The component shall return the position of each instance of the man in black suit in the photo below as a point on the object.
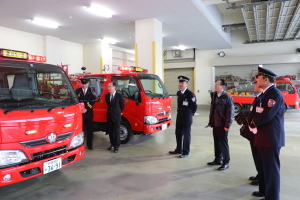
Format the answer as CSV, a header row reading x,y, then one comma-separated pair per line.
x,y
220,119
268,124
186,108
87,95
115,103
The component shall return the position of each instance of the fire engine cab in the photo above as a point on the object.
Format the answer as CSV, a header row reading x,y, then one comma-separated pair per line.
x,y
40,118
244,96
147,102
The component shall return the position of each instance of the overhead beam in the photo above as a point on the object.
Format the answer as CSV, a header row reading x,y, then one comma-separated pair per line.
x,y
267,21
294,22
256,21
211,2
278,20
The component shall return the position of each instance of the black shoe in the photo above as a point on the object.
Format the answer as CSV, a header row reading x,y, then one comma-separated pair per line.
x,y
223,167
215,163
111,148
116,150
258,194
255,183
90,148
183,156
253,178
174,152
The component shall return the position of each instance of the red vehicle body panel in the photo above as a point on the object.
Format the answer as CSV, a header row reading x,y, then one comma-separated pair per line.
x,y
37,149
132,112
291,97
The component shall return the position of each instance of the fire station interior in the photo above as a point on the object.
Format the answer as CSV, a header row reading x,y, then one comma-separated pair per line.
x,y
204,40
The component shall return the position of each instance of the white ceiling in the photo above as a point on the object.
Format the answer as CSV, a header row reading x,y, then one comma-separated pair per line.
x,y
191,23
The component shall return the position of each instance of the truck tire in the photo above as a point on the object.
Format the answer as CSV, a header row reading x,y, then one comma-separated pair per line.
x,y
125,132
237,108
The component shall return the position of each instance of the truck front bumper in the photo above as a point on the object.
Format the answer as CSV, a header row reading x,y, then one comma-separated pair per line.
x,y
33,169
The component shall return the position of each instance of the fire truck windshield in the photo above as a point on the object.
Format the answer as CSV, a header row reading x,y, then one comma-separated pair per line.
x,y
153,86
33,86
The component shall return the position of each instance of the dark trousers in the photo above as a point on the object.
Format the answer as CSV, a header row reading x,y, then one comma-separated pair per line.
x,y
221,144
255,157
88,123
113,129
269,172
183,138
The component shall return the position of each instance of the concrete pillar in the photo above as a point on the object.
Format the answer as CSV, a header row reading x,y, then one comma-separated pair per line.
x,y
96,56
148,45
106,58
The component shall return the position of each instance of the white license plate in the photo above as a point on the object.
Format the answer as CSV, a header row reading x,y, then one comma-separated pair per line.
x,y
52,165
164,126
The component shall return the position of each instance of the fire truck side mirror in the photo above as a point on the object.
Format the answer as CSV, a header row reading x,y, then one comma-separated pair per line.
x,y
137,98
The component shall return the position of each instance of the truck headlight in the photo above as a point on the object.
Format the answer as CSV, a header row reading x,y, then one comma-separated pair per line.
x,y
77,141
12,157
150,120
169,116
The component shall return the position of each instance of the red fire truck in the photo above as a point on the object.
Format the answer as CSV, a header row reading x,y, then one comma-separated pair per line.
x,y
40,118
244,98
147,102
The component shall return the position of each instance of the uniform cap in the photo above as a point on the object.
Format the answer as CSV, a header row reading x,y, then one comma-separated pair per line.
x,y
183,79
84,80
266,72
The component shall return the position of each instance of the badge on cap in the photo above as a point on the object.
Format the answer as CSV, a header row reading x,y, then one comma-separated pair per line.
x,y
271,103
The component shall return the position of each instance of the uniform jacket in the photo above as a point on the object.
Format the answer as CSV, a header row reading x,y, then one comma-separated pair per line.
x,y
222,111
270,122
115,107
185,112
90,95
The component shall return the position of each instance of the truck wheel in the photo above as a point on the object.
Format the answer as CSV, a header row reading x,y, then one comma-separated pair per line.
x,y
237,108
125,132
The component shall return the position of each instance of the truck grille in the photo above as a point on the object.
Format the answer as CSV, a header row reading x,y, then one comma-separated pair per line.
x,y
49,153
163,120
42,141
163,113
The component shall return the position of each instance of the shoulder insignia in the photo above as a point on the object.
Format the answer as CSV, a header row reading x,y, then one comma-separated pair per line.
x,y
271,103
194,99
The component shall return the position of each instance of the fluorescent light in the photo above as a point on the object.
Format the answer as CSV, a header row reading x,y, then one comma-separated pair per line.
x,y
180,47
110,40
100,10
45,22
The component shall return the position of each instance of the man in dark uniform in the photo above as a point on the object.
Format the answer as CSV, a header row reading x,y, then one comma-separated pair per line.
x,y
115,103
220,119
186,108
246,133
87,95
268,124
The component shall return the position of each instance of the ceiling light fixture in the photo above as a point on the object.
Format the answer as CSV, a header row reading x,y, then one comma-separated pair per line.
x,y
180,47
44,22
109,40
100,10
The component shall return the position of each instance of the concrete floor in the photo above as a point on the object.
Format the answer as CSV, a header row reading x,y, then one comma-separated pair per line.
x,y
143,169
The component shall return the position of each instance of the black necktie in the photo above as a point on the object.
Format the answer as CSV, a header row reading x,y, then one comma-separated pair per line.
x,y
111,97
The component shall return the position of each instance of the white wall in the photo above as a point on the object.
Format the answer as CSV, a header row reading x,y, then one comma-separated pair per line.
x,y
70,53
21,41
91,57
246,54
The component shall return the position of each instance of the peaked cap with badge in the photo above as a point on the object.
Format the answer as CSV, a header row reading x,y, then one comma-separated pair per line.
x,y
183,79
266,72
